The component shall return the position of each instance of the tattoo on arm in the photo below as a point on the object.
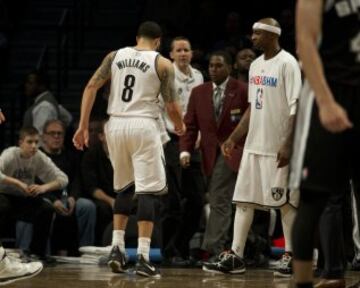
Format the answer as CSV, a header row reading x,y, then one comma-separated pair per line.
x,y
168,86
103,73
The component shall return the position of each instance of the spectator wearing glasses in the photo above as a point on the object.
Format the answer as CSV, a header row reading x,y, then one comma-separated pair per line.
x,y
74,214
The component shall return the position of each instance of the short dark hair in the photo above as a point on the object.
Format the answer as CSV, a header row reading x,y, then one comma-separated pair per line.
x,y
149,29
27,131
179,38
224,54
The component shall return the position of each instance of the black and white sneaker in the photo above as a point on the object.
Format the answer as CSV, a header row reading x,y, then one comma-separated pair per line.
x,y
284,269
229,263
145,268
117,260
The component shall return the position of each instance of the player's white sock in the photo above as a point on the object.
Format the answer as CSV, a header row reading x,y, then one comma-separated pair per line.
x,y
144,247
243,218
288,215
119,239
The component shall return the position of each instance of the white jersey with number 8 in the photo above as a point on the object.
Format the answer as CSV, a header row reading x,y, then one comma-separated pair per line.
x,y
135,84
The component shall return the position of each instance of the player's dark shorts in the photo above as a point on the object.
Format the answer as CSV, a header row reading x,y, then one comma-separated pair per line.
x,y
330,160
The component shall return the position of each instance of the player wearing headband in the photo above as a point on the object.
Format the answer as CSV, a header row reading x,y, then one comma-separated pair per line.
x,y
274,85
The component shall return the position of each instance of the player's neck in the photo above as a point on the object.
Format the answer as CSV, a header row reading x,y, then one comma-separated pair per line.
x,y
144,44
272,51
184,69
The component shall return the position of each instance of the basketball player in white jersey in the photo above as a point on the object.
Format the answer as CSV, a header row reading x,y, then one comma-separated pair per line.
x,y
274,85
138,74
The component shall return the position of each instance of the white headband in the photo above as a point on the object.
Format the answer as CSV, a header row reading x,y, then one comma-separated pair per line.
x,y
266,27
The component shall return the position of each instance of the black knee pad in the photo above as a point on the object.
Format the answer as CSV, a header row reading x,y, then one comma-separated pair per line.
x,y
146,207
124,200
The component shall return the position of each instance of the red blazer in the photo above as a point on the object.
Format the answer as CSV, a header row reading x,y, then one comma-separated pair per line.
x,y
200,116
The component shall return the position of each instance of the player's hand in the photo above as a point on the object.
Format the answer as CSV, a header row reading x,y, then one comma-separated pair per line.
x,y
81,138
227,147
180,130
185,161
334,117
283,156
2,117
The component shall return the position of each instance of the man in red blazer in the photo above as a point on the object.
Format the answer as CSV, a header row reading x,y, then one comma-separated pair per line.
x,y
214,109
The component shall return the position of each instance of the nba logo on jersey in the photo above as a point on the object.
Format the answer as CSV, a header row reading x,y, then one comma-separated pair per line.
x,y
259,98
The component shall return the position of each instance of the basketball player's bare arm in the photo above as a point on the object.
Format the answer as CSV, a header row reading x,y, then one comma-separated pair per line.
x,y
100,77
2,117
283,156
308,21
238,133
167,89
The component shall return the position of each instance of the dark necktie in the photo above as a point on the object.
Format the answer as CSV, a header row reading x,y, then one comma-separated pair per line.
x,y
217,102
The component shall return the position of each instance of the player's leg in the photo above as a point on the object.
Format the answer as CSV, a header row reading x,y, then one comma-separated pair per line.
x,y
150,182
288,214
116,131
324,172
305,225
122,209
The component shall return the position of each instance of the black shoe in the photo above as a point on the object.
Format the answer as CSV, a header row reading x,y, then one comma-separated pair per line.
x,y
117,260
229,263
145,268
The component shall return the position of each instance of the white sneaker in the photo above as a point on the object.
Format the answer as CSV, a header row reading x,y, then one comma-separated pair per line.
x,y
12,270
284,269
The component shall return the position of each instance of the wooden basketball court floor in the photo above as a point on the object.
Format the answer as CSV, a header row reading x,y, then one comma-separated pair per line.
x,y
90,276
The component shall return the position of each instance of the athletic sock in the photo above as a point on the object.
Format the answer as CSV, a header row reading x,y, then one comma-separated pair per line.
x,y
243,218
118,239
144,247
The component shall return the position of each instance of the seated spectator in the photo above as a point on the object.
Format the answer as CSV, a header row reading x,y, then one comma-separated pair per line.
x,y
74,214
97,180
25,163
77,207
10,269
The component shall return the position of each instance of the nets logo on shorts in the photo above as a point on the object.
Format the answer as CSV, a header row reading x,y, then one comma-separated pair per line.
x,y
277,193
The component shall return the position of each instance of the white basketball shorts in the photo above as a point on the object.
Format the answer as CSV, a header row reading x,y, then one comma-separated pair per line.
x,y
136,154
260,183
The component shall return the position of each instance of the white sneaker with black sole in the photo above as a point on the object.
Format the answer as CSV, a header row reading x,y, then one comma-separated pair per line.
x,y
284,270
